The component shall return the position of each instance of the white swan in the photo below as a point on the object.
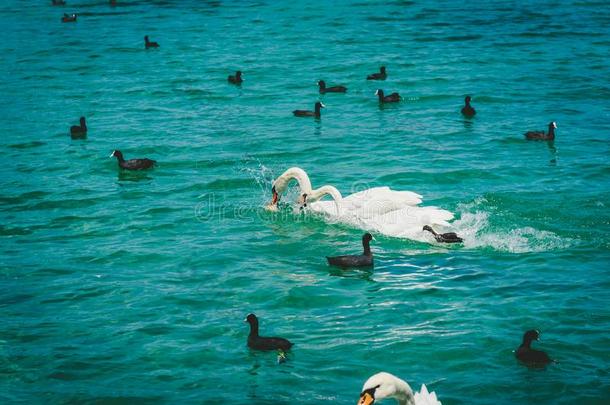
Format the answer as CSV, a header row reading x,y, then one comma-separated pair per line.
x,y
385,385
381,209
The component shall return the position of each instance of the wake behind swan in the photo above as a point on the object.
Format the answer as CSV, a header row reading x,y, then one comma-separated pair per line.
x,y
379,209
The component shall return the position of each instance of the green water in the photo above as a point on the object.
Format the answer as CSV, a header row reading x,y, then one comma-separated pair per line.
x,y
132,288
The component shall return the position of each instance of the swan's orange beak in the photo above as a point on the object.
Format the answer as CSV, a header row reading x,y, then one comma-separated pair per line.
x,y
366,399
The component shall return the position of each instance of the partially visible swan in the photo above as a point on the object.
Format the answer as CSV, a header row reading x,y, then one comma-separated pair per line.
x,y
385,385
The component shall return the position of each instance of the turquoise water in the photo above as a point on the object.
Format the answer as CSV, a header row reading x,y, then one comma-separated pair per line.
x,y
119,288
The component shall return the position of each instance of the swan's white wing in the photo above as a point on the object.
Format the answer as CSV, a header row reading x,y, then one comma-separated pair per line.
x,y
386,211
379,200
423,397
409,222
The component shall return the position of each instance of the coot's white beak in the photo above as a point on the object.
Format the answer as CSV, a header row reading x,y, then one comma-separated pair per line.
x,y
374,238
554,125
322,105
376,92
111,155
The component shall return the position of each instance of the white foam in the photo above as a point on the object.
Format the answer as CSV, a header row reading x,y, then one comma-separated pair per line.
x,y
475,227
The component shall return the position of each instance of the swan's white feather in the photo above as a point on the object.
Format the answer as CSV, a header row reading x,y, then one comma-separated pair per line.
x,y
423,397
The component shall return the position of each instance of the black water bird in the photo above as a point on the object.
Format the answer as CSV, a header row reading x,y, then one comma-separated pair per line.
x,y
333,89
149,44
133,164
392,98
307,113
235,79
381,75
363,260
541,135
468,110
529,356
79,131
449,237
68,18
264,343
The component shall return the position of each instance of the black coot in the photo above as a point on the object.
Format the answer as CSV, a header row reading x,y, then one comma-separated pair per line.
x,y
468,110
363,260
235,79
68,18
529,356
449,237
540,135
392,98
381,75
264,343
307,113
149,44
133,164
79,131
333,89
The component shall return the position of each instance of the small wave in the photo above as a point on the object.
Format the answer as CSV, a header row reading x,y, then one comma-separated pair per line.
x,y
33,144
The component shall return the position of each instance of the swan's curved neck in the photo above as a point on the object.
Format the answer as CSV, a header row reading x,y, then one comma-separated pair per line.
x,y
401,391
318,193
296,173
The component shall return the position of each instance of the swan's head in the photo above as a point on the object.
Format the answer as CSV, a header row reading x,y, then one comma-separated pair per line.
x,y
302,201
320,105
377,92
382,69
117,153
553,124
367,237
428,228
383,385
321,83
275,198
467,99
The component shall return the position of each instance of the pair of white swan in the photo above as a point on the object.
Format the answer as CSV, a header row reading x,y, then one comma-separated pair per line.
x,y
385,385
389,212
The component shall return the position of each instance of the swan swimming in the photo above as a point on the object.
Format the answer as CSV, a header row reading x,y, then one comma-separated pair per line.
x,y
385,385
380,209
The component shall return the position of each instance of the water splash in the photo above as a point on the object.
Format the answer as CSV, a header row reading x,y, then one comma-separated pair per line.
x,y
479,230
